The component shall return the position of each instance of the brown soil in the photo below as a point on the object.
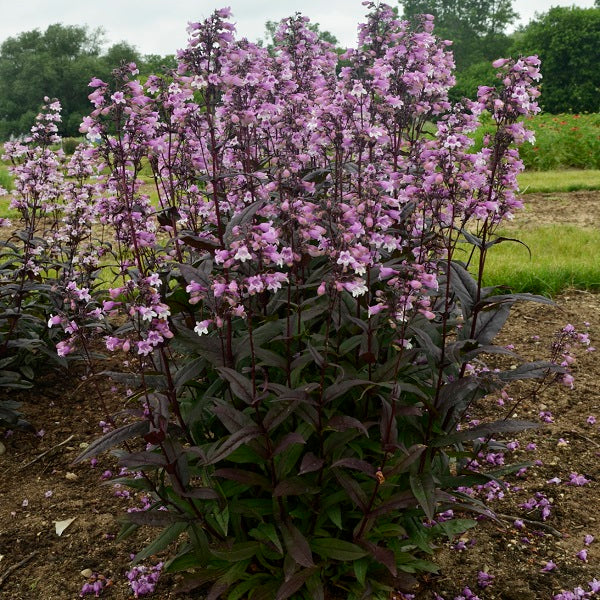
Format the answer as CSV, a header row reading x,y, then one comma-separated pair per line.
x,y
67,409
573,208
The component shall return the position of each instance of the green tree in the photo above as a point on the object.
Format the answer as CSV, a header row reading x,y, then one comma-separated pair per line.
x,y
477,28
157,64
567,40
271,28
57,63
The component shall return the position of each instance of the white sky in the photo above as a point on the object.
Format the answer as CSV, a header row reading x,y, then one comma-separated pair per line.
x,y
158,26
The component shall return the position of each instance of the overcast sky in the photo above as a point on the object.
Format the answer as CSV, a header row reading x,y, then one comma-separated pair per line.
x,y
158,26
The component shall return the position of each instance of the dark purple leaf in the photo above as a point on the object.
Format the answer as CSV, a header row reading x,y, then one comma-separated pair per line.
x,y
310,463
423,488
339,389
243,476
293,487
240,386
388,426
232,443
490,321
296,545
278,413
231,417
153,518
356,463
140,459
484,430
113,438
287,441
294,583
413,453
343,423
200,244
385,556
201,493
531,370
401,500
353,489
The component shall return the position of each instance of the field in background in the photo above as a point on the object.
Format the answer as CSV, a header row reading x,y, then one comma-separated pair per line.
x,y
562,257
565,141
570,180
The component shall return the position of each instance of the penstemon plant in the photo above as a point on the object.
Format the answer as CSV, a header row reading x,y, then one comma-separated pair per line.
x,y
295,321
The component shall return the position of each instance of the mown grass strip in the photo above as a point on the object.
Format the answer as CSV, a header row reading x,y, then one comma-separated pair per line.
x,y
571,180
562,257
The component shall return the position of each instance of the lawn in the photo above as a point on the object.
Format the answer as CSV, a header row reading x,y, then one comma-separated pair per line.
x,y
562,257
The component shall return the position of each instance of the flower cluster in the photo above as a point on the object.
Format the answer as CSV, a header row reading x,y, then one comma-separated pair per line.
x,y
143,580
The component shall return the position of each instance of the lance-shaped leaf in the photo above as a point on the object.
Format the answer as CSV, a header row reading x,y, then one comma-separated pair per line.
x,y
242,217
310,463
490,321
335,390
343,423
154,518
232,443
483,430
244,476
414,452
113,438
294,583
294,486
136,460
337,549
231,417
463,285
296,545
357,464
240,386
287,440
423,487
531,370
356,494
384,556
393,503
515,298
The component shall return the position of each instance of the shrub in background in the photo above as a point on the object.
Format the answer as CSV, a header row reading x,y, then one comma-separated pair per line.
x,y
300,337
45,253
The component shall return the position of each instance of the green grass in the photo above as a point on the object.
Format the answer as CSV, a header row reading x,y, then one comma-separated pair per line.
x,y
570,180
562,257
5,178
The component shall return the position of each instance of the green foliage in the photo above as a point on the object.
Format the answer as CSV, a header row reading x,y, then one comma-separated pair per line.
x,y
567,40
316,475
470,78
564,141
271,28
69,145
476,27
58,63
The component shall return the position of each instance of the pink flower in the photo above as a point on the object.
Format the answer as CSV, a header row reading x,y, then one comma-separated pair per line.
x,y
583,555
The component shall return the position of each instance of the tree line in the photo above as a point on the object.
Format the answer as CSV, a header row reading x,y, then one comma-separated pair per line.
x,y
60,61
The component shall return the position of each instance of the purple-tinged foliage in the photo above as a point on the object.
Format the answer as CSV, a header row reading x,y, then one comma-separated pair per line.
x,y
291,313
